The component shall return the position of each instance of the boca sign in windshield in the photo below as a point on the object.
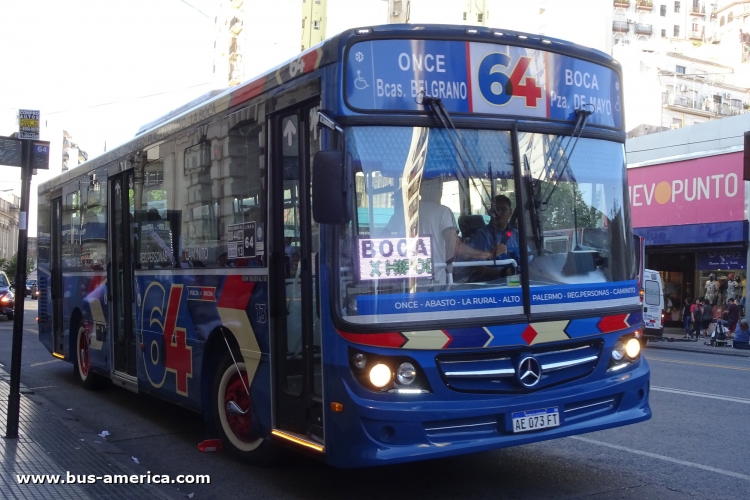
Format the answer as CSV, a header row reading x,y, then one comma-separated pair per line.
x,y
472,77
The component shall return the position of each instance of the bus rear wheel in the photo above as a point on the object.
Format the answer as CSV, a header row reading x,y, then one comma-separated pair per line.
x,y
236,430
82,366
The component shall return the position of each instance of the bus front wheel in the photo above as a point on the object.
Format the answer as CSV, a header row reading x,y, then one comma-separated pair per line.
x,y
82,366
235,425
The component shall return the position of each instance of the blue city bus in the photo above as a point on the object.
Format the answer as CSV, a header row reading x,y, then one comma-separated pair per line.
x,y
409,242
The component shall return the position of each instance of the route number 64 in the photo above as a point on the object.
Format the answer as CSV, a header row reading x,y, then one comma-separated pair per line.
x,y
498,88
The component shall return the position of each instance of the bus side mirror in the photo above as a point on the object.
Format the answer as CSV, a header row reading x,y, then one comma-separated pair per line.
x,y
332,187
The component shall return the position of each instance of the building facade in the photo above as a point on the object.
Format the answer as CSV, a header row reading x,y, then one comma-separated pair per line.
x,y
9,212
689,200
72,155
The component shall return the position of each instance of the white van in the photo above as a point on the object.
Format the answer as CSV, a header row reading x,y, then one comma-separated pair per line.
x,y
653,305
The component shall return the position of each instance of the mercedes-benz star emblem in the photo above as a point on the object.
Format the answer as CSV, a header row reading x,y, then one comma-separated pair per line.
x,y
529,372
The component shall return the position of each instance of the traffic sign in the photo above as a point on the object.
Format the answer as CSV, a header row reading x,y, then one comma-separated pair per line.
x,y
40,155
28,124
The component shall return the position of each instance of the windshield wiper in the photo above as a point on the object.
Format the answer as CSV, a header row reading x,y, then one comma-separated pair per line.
x,y
534,206
445,119
581,116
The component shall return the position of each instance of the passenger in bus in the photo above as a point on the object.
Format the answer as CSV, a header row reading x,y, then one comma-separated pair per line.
x,y
436,220
498,237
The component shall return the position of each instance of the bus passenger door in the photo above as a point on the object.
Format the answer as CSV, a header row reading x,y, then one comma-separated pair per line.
x,y
296,240
56,291
121,280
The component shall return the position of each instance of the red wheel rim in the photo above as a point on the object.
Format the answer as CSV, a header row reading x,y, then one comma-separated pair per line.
x,y
241,425
83,354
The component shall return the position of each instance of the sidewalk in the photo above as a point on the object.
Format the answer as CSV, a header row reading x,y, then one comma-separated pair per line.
x,y
673,341
51,443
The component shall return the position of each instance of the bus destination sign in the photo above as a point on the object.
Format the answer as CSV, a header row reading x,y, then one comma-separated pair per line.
x,y
472,77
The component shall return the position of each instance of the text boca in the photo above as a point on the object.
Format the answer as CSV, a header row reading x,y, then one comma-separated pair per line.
x,y
394,247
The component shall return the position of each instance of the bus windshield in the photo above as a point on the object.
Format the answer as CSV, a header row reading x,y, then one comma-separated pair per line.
x,y
436,230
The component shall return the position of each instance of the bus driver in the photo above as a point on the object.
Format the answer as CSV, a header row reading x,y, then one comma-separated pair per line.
x,y
498,234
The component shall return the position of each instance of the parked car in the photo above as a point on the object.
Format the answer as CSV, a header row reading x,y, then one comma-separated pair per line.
x,y
7,304
32,290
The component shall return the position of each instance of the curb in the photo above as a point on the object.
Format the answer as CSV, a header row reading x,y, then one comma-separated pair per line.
x,y
728,351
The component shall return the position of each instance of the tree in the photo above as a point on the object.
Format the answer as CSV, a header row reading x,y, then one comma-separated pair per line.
x,y
9,266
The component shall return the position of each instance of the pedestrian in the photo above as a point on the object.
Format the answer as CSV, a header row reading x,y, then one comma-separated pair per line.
x,y
742,336
697,312
719,334
733,314
711,288
687,306
732,286
707,316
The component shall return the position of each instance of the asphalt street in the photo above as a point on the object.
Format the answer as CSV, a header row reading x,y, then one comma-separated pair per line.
x,y
695,446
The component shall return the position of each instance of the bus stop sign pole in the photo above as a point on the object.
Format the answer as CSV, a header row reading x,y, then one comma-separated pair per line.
x,y
14,399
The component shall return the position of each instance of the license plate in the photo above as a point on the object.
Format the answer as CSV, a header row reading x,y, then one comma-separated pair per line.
x,y
524,421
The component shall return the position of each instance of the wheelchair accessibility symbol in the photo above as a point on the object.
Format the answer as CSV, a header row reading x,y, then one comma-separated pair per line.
x,y
359,82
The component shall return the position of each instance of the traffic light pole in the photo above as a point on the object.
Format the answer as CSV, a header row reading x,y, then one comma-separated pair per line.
x,y
14,398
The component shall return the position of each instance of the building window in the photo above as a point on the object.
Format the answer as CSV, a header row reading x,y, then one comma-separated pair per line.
x,y
680,70
464,16
303,24
663,11
676,122
480,17
677,6
316,25
676,30
721,21
730,17
664,33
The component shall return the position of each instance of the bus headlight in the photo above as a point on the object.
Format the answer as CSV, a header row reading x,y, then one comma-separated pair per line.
x,y
618,351
625,352
392,374
406,373
359,361
633,348
380,375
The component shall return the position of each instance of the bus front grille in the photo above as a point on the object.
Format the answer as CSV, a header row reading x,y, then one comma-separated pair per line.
x,y
495,371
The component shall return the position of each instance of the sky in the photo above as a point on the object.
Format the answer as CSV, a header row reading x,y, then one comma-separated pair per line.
x,y
82,62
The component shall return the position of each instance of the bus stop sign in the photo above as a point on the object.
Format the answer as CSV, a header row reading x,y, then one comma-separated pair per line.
x,y
40,155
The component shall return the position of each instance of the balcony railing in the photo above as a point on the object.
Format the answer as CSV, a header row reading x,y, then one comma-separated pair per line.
x,y
698,11
235,75
705,105
235,26
696,35
644,5
622,3
643,29
620,26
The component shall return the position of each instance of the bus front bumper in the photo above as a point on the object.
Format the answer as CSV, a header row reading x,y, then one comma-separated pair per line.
x,y
378,433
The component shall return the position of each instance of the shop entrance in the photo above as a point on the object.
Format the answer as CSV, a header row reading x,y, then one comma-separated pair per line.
x,y
677,272
688,274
